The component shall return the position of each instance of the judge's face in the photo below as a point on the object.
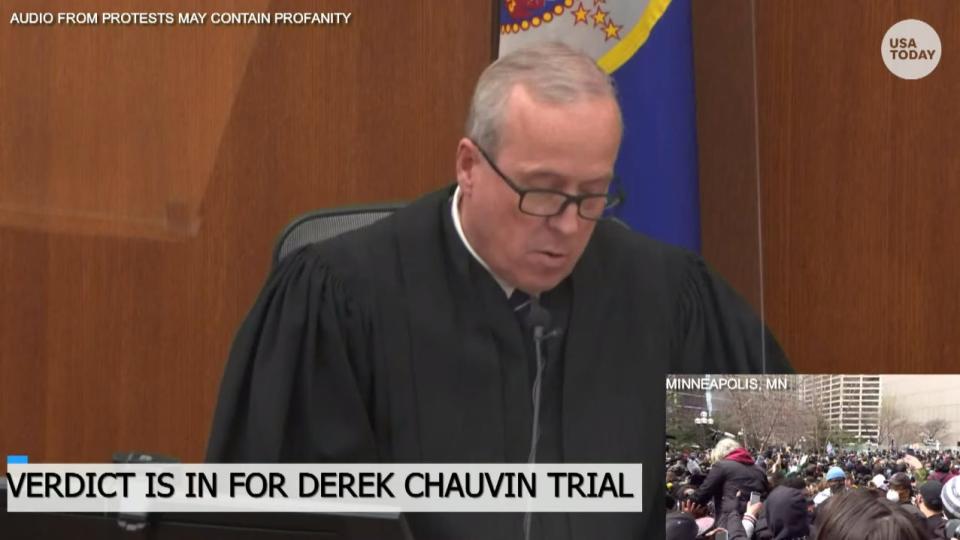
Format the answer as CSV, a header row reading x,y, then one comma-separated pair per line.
x,y
570,148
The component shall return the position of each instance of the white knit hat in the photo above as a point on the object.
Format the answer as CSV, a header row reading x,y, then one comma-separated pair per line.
x,y
951,497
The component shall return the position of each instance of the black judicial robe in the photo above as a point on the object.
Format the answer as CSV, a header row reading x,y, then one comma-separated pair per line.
x,y
393,344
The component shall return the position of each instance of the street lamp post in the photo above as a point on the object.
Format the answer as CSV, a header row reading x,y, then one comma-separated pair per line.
x,y
703,420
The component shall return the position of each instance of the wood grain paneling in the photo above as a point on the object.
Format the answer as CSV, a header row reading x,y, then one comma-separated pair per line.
x,y
88,112
113,335
726,131
859,174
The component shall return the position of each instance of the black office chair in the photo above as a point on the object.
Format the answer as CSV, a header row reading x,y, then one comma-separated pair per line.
x,y
320,225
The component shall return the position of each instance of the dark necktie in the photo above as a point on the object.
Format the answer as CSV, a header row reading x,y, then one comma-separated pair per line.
x,y
520,304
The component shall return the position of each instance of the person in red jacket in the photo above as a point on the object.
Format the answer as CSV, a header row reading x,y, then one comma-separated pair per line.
x,y
733,476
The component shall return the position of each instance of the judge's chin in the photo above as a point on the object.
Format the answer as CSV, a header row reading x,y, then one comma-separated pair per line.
x,y
543,272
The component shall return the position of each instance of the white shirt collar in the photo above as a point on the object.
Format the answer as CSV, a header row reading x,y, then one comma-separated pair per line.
x,y
455,209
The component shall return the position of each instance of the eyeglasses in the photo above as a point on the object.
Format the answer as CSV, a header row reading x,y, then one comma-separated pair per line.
x,y
551,202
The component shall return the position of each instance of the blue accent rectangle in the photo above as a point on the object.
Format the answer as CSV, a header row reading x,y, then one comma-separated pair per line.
x,y
17,460
658,155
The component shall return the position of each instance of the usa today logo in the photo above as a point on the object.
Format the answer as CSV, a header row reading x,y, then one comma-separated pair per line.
x,y
911,49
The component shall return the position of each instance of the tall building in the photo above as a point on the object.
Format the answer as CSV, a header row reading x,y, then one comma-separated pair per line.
x,y
850,402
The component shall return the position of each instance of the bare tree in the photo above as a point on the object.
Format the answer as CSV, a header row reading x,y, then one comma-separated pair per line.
x,y
817,430
892,423
935,428
759,415
910,432
897,427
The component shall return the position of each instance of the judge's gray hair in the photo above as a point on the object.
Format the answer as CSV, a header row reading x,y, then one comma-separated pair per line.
x,y
552,72
724,447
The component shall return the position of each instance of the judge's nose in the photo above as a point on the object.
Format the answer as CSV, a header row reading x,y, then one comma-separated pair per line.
x,y
567,222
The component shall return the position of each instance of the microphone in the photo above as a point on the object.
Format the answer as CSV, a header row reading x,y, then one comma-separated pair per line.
x,y
538,318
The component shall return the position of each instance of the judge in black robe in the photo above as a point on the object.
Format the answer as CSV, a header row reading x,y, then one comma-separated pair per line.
x,y
397,343
393,344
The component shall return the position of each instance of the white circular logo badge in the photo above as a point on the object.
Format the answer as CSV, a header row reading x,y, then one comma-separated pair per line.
x,y
911,49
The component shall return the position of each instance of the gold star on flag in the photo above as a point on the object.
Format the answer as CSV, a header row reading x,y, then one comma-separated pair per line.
x,y
612,31
580,15
600,17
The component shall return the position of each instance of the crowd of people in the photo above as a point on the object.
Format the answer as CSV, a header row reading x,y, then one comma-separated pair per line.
x,y
780,493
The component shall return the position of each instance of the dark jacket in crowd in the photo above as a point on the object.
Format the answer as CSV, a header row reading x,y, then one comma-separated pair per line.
x,y
732,474
935,526
784,516
733,523
914,512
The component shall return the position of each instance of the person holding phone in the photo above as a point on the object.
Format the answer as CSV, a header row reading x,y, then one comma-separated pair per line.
x,y
732,477
737,527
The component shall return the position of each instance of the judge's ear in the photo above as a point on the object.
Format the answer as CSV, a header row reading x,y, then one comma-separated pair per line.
x,y
466,166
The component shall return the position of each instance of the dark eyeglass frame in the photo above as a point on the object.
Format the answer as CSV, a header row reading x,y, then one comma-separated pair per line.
x,y
612,199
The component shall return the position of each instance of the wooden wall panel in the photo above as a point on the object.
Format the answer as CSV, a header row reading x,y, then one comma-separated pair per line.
x,y
86,109
727,135
114,336
860,174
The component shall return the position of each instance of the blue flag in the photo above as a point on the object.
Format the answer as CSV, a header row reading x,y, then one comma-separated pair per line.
x,y
646,45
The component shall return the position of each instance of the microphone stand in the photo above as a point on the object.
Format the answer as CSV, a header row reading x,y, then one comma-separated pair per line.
x,y
539,319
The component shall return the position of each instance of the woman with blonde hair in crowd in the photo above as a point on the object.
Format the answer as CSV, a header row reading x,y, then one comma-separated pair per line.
x,y
732,478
